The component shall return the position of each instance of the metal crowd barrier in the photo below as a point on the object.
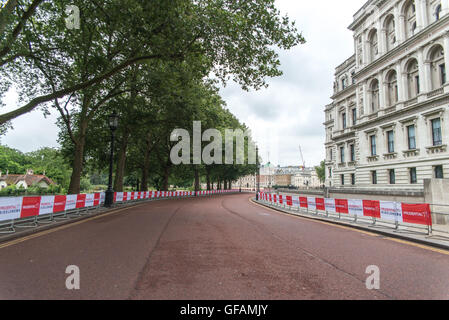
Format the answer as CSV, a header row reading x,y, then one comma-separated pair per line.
x,y
369,221
11,225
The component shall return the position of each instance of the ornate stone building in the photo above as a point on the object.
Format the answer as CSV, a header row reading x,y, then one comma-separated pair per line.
x,y
387,126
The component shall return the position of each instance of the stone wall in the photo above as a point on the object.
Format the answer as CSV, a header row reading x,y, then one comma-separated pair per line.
x,y
436,193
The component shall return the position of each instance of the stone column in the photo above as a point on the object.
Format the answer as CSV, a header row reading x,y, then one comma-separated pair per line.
x,y
367,54
403,79
423,78
401,88
365,99
428,73
419,15
446,50
446,58
381,91
399,21
444,7
383,48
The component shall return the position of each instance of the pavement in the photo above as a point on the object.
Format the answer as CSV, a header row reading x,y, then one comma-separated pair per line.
x,y
217,248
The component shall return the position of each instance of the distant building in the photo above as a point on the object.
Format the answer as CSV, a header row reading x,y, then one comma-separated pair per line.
x,y
271,176
25,180
283,180
306,179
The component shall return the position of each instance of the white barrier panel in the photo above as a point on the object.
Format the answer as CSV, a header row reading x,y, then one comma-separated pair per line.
x,y
330,205
89,200
70,203
391,211
295,202
355,207
10,208
119,197
311,202
47,205
102,197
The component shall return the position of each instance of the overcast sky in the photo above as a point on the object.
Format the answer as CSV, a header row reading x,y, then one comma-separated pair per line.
x,y
287,114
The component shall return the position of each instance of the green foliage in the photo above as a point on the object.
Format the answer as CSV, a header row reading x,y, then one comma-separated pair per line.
x,y
86,186
321,171
13,191
153,62
46,161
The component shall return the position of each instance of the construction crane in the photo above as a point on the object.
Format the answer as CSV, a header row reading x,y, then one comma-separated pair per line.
x,y
302,159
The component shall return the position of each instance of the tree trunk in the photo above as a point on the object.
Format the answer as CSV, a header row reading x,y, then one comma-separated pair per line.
x,y
146,164
166,175
197,180
208,180
121,163
226,184
77,164
78,160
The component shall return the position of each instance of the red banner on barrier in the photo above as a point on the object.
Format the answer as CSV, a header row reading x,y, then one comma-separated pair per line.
x,y
59,204
289,201
303,202
80,201
97,199
320,204
417,214
341,205
30,207
371,208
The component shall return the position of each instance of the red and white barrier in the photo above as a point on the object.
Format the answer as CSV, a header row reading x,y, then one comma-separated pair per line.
x,y
13,208
381,210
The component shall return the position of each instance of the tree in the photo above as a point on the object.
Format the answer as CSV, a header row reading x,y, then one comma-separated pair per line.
x,y
235,38
321,171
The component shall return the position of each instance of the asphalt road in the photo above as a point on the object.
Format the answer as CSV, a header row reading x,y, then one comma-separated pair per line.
x,y
217,248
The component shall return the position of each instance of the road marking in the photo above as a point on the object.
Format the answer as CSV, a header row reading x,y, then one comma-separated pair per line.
x,y
43,233
422,246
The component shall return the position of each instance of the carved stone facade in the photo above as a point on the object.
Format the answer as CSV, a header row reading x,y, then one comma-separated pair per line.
x,y
387,126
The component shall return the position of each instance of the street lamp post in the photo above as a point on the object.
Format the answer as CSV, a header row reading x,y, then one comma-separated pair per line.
x,y
257,174
113,125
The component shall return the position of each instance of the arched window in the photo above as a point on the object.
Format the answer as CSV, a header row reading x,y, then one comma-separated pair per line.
x,y
413,79
410,19
392,82
344,83
374,93
437,12
437,67
390,32
374,47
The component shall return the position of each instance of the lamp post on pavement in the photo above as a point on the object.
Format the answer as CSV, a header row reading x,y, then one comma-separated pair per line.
x,y
113,125
257,174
